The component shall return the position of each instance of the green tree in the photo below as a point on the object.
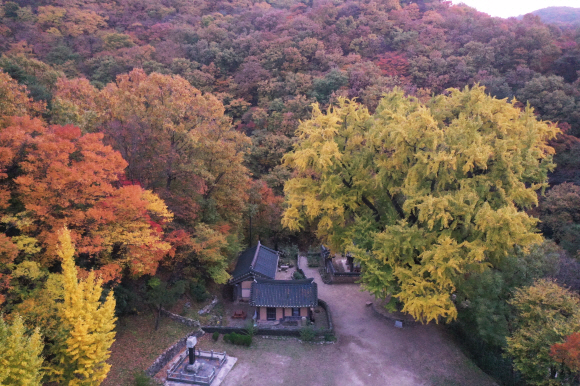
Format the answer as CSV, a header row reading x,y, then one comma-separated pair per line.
x,y
546,315
420,194
482,299
20,360
560,215
552,98
160,295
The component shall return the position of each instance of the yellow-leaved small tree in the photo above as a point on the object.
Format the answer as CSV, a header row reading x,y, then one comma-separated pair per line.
x,y
20,360
87,322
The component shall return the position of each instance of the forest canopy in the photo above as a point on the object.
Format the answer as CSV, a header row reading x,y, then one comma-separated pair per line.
x,y
435,143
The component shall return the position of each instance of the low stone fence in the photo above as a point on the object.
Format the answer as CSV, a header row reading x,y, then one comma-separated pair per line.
x,y
406,320
280,331
331,276
324,305
207,309
180,319
163,359
277,330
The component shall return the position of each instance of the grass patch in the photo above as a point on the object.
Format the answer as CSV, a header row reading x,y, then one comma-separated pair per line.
x,y
137,345
142,379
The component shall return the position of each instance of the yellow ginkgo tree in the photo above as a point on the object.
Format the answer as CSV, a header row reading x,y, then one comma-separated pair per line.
x,y
20,360
421,194
87,325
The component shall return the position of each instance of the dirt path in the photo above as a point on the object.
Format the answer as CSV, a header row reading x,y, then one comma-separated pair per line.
x,y
369,351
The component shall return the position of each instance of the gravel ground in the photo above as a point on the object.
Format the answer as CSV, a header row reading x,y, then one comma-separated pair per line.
x,y
369,351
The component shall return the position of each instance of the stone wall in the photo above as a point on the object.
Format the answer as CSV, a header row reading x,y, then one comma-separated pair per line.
x,y
180,319
163,359
330,276
276,330
405,319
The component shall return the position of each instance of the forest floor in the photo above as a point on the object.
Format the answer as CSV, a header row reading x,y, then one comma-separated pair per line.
x,y
137,345
369,351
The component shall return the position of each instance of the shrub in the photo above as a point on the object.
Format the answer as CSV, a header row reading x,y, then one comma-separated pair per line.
x,y
198,292
307,334
238,339
215,336
245,340
127,300
329,337
290,251
313,261
297,275
250,328
142,379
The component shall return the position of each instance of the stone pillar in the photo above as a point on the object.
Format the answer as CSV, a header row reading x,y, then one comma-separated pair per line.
x,y
191,342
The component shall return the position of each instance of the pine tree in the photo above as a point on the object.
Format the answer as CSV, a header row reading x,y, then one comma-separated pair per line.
x,y
20,360
88,323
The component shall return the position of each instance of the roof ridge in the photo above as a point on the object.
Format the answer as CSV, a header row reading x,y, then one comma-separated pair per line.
x,y
255,255
270,249
308,280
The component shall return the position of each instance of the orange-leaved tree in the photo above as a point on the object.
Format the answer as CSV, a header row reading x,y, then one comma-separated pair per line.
x,y
174,138
53,177
568,354
177,142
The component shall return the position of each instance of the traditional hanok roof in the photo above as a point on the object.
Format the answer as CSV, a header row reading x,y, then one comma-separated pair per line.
x,y
284,293
256,262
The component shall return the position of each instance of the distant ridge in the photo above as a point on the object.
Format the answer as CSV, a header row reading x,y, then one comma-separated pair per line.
x,y
558,15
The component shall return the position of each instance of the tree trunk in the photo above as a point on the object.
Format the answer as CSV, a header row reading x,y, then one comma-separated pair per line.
x,y
158,318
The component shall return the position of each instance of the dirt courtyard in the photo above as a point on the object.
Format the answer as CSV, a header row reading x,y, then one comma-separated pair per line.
x,y
369,351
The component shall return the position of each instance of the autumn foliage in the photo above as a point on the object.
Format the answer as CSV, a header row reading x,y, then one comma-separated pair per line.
x,y
87,325
544,342
568,352
54,177
15,101
165,134
421,195
178,143
20,354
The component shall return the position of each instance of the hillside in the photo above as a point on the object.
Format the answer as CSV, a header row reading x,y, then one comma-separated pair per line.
x,y
163,134
559,15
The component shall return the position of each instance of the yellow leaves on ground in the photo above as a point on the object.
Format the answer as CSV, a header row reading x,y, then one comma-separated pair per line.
x,y
421,194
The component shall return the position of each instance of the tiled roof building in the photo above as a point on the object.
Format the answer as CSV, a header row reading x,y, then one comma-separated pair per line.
x,y
276,301
284,293
258,261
